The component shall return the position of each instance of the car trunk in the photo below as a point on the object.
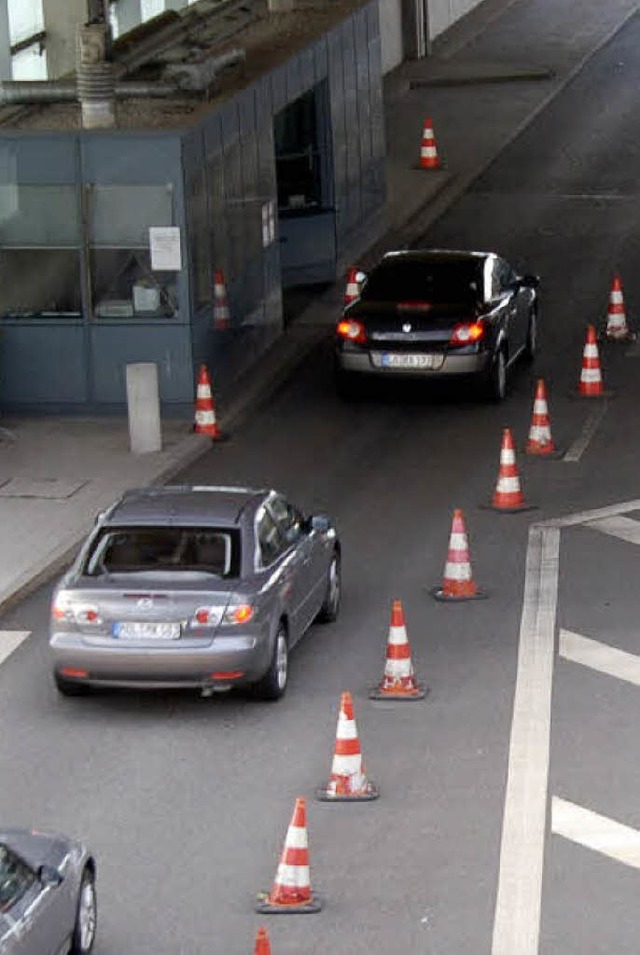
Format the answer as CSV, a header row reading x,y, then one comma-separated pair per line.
x,y
409,326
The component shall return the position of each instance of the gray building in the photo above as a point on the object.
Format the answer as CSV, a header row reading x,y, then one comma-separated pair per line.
x,y
241,181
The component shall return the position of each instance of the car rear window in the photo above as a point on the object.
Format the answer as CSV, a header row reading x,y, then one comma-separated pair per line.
x,y
424,282
139,549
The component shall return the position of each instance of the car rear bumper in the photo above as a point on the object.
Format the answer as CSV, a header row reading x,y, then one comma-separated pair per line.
x,y
229,662
361,363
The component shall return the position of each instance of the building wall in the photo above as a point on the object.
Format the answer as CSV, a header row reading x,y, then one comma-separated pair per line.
x,y
444,13
391,34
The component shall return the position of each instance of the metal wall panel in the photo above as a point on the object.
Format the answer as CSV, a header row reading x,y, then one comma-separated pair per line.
x,y
115,346
42,364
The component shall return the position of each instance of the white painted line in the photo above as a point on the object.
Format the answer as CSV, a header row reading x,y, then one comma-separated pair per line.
x,y
580,445
619,526
516,925
600,656
586,517
596,832
10,640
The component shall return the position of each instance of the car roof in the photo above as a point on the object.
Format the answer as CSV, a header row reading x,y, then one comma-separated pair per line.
x,y
434,255
185,504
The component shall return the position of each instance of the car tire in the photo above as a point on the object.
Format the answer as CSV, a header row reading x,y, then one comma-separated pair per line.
x,y
531,346
274,683
70,687
496,382
331,604
84,929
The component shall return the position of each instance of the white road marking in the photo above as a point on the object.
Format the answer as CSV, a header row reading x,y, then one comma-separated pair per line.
x,y
517,918
619,526
600,656
596,832
10,640
579,446
587,517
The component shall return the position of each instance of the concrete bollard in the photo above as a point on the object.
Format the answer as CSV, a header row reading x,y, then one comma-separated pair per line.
x,y
143,405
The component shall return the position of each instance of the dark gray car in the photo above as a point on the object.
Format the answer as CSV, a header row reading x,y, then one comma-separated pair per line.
x,y
47,894
206,587
438,314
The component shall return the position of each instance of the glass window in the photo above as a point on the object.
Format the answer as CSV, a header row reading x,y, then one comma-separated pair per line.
x,y
123,282
15,878
269,540
143,549
288,519
413,280
40,239
298,155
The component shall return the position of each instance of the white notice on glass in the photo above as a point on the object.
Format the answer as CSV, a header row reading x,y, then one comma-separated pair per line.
x,y
164,244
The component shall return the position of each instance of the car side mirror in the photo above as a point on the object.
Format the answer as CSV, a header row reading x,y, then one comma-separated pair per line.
x,y
530,281
48,875
318,522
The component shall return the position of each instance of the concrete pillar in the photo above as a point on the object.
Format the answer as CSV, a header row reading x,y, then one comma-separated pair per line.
x,y
5,42
61,18
143,406
128,15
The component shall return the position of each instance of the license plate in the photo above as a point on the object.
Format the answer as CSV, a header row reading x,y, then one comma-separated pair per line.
x,y
145,630
393,360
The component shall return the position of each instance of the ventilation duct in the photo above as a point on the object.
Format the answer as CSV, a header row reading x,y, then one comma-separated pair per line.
x,y
95,77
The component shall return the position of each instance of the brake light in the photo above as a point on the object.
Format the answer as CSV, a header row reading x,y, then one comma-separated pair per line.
x,y
351,331
207,617
467,333
88,615
61,609
239,613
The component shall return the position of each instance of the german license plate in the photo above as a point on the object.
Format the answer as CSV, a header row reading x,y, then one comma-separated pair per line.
x,y
146,630
394,360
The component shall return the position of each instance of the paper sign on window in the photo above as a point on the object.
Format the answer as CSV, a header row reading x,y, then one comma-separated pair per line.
x,y
164,245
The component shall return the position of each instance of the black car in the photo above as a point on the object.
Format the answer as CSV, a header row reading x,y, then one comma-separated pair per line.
x,y
438,314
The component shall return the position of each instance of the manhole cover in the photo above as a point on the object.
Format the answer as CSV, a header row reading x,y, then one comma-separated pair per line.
x,y
46,488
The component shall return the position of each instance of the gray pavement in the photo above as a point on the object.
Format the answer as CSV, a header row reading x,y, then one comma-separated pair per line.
x,y
483,83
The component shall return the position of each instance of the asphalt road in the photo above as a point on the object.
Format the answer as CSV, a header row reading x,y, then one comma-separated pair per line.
x,y
186,801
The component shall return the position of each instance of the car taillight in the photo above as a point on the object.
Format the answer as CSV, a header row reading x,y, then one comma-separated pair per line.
x,y
467,333
351,331
62,609
207,617
239,613
87,616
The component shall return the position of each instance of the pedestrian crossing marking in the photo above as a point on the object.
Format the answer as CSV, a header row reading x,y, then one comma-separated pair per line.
x,y
10,640
600,656
596,832
625,528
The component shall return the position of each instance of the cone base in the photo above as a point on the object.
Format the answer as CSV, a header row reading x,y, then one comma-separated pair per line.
x,y
514,509
377,694
552,455
324,795
438,594
265,907
215,434
627,336
607,393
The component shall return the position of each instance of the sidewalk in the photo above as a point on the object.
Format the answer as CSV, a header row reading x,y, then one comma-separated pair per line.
x,y
484,82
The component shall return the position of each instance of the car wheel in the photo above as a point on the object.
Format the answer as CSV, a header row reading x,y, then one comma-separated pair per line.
x,y
84,930
531,346
331,603
70,687
274,682
496,387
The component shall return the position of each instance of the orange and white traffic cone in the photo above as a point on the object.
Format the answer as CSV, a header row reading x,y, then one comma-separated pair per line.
x,y
263,945
398,681
617,329
221,314
348,781
458,582
428,151
205,422
508,495
539,441
591,384
291,890
352,290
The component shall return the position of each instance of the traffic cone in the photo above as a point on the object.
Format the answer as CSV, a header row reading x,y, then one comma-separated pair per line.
x,y
398,681
221,315
428,151
262,946
617,328
352,291
540,441
291,890
457,583
205,422
348,781
508,495
591,384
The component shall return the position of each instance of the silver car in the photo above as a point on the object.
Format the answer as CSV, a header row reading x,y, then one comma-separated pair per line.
x,y
47,894
433,314
187,586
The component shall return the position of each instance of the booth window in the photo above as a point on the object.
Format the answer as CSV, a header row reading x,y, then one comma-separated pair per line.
x,y
123,282
298,155
40,238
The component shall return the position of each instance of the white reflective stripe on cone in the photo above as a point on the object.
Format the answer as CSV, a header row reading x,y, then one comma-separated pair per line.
x,y
540,406
296,875
296,838
203,391
205,417
399,668
507,484
590,375
537,433
616,297
397,635
346,765
457,571
590,351
347,729
458,541
507,456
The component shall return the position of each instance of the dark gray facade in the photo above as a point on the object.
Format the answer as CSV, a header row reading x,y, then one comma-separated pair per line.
x,y
83,290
